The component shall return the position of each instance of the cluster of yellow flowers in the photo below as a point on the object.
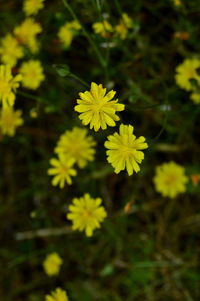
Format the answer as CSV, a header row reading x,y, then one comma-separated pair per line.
x,y
106,30
188,78
30,73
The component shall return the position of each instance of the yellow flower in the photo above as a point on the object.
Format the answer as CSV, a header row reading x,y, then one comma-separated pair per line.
x,y
10,120
32,73
67,32
8,85
10,50
125,150
123,26
186,72
62,170
121,30
76,144
170,179
195,97
86,214
127,20
177,2
52,264
58,295
26,34
31,7
97,108
102,28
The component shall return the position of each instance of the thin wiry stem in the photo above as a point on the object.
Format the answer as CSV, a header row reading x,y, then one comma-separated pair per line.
x,y
87,35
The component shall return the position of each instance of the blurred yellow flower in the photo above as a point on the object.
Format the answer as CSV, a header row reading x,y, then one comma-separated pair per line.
x,y
170,179
32,74
10,120
31,7
10,50
62,171
26,34
127,20
8,85
52,264
97,108
195,97
123,26
177,2
67,32
103,28
76,144
86,214
124,150
186,72
57,295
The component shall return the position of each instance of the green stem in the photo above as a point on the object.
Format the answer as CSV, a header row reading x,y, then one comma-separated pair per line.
x,y
30,96
101,59
79,79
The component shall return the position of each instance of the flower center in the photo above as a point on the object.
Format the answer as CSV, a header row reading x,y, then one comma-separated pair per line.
x,y
170,180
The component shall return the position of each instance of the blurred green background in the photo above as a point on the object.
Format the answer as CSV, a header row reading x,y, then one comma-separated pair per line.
x,y
150,253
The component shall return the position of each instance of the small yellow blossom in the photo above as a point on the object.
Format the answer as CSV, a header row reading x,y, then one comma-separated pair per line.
x,y
32,74
186,72
67,32
177,2
127,20
86,214
8,85
57,295
125,150
123,26
52,264
10,120
195,97
26,34
62,171
76,144
10,50
103,28
31,7
170,179
97,108
33,113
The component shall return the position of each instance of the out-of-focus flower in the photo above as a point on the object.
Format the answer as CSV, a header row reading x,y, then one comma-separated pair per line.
x,y
186,72
68,31
124,150
195,179
52,264
57,295
76,144
195,97
184,36
31,7
86,214
8,85
123,26
32,74
97,109
62,171
10,120
170,179
26,34
10,50
103,28
177,2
